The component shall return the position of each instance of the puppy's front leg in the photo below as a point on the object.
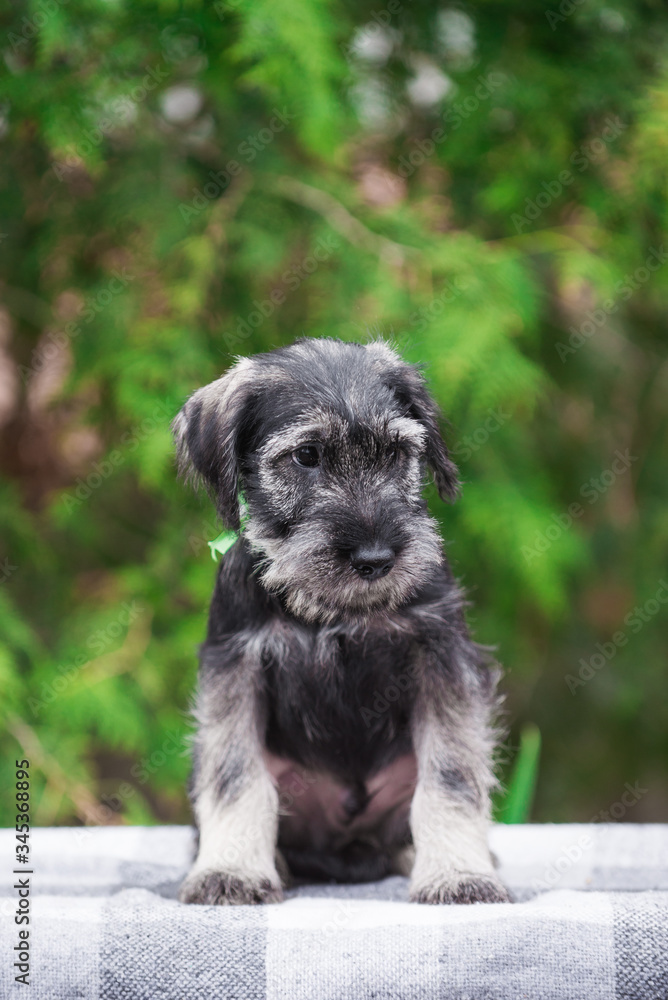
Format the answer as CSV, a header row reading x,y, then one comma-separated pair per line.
x,y
234,800
450,808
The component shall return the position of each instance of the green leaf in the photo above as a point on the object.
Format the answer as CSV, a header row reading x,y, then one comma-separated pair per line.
x,y
515,806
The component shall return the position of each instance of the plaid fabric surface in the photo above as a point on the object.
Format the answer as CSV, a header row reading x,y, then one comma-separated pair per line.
x,y
591,923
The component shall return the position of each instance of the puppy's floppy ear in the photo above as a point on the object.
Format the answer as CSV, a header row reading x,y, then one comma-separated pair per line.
x,y
207,431
409,387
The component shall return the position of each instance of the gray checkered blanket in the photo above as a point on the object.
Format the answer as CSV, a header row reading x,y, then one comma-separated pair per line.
x,y
590,923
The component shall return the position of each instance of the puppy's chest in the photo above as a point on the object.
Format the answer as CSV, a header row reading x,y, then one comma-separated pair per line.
x,y
341,703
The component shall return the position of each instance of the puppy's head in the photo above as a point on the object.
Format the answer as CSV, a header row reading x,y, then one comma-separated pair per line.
x,y
328,443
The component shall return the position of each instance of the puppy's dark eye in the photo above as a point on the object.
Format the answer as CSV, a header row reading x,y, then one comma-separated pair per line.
x,y
308,456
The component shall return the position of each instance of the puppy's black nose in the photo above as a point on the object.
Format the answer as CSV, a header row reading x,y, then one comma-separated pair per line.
x,y
372,561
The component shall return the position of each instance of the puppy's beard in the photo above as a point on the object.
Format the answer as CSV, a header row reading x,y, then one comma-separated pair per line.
x,y
318,585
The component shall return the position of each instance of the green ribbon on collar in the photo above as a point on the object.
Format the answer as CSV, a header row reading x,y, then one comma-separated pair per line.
x,y
226,539
222,543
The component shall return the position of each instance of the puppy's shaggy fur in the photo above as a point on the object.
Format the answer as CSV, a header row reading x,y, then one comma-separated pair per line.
x,y
344,712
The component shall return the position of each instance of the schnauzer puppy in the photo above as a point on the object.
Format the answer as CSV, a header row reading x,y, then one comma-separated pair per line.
x,y
345,715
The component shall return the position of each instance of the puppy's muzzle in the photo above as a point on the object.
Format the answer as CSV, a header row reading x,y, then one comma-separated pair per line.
x,y
372,561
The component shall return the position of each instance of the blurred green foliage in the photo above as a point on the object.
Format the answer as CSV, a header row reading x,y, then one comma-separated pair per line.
x,y
483,184
514,801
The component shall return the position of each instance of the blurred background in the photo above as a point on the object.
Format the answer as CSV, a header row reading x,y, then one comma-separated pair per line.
x,y
483,184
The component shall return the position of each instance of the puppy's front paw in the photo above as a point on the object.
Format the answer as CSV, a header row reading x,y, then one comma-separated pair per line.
x,y
461,887
212,888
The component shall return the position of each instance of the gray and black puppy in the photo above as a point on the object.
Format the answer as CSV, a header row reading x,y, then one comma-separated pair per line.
x,y
345,715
